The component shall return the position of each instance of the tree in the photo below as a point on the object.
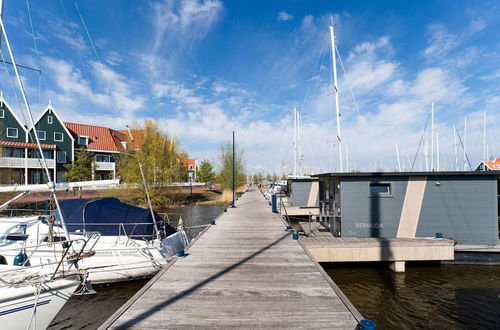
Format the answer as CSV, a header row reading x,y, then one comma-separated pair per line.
x,y
206,171
224,177
82,168
161,159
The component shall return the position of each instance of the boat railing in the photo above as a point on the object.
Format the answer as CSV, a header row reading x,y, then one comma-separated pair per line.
x,y
70,253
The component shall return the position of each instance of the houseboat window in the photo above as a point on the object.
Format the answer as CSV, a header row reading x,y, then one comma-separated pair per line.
x,y
12,132
59,137
61,156
83,140
380,188
50,120
41,135
103,158
2,113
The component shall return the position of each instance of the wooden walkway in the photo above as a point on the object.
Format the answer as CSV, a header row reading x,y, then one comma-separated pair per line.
x,y
244,272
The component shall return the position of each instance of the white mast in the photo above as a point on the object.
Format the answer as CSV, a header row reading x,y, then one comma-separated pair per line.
x,y
397,155
456,147
437,151
299,142
51,185
465,143
294,173
432,136
347,157
484,136
336,92
426,155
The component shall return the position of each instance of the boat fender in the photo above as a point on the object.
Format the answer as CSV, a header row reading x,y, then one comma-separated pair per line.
x,y
87,254
21,259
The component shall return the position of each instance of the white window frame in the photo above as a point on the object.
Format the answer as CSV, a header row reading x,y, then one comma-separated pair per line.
x,y
44,135
62,138
57,156
83,137
2,113
100,155
12,136
50,119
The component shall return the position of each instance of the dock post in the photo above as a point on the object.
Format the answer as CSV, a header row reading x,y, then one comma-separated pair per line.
x,y
397,266
274,203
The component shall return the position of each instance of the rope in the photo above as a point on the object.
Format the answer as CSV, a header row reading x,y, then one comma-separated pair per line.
x,y
420,143
36,49
347,80
33,315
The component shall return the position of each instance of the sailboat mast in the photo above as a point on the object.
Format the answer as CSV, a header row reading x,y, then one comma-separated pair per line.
x,y
397,155
465,143
51,185
456,147
432,136
294,142
484,136
299,143
336,92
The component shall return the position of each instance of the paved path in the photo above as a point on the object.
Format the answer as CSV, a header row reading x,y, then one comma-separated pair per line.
x,y
244,272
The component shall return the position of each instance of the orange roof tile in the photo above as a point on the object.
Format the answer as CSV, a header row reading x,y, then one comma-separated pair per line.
x,y
100,138
192,162
493,164
26,145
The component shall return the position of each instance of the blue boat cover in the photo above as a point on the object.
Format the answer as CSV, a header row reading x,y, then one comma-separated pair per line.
x,y
110,217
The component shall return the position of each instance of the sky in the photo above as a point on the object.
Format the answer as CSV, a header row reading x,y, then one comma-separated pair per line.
x,y
203,68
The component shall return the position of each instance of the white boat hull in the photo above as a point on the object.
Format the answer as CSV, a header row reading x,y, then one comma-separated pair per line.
x,y
17,305
116,259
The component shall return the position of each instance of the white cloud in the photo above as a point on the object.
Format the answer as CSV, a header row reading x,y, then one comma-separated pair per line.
x,y
283,16
177,27
443,41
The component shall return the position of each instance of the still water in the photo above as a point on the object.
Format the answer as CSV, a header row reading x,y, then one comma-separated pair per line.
x,y
425,297
90,311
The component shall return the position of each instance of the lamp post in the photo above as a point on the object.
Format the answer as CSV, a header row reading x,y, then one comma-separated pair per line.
x,y
232,204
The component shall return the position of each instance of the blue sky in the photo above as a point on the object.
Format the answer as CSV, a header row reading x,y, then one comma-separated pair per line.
x,y
206,67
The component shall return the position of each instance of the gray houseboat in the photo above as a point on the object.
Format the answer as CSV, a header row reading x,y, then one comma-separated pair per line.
x,y
463,206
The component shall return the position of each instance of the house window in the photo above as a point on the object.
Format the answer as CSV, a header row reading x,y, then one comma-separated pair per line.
x,y
50,119
61,156
2,113
11,132
34,153
103,158
83,140
58,137
41,135
13,152
380,188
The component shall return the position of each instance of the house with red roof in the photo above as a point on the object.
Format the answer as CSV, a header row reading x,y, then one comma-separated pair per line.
x,y
192,168
105,143
489,165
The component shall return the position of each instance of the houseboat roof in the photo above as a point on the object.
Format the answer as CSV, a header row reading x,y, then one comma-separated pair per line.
x,y
389,174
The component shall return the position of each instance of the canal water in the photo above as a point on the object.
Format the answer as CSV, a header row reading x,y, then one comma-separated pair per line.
x,y
90,311
429,296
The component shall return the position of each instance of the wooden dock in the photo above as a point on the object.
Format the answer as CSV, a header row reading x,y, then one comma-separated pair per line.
x,y
244,272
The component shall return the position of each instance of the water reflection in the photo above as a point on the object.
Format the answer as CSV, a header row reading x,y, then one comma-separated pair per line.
x,y
425,297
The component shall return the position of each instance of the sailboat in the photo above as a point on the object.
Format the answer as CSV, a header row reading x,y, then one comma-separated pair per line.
x,y
128,243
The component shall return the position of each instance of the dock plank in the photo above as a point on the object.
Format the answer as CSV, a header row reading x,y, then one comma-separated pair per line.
x,y
244,272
